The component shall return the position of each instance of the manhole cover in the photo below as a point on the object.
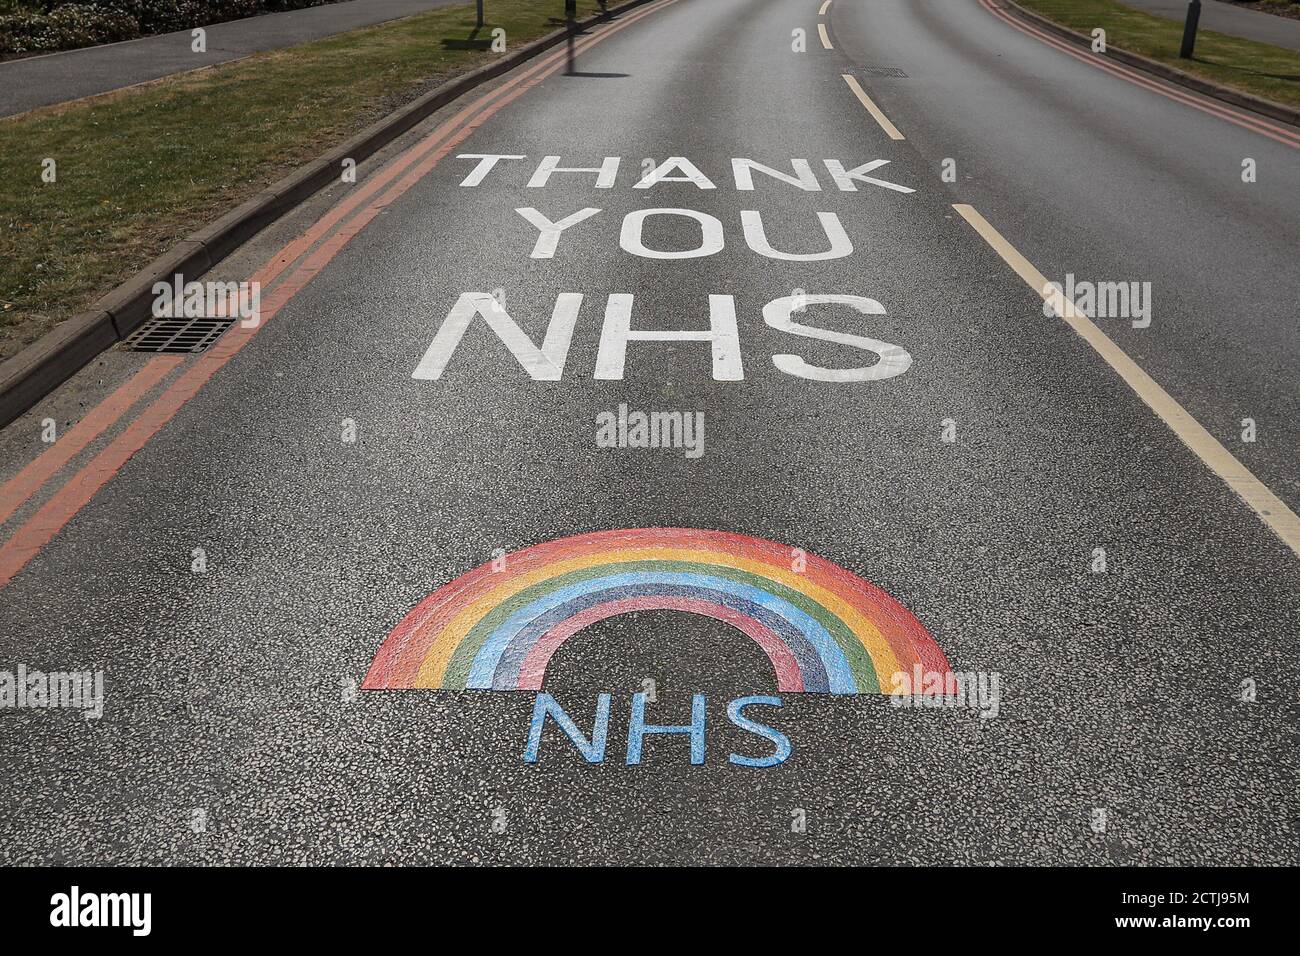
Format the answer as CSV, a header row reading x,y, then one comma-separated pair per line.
x,y
178,335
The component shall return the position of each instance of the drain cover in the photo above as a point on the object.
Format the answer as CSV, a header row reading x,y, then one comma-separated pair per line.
x,y
178,335
882,71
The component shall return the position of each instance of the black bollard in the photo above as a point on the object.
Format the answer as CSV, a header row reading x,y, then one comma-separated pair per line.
x,y
1189,29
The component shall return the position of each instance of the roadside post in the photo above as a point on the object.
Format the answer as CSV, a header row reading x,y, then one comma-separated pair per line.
x,y
570,15
1189,29
479,25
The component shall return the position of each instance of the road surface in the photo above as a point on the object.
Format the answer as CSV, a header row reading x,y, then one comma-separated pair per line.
x,y
234,563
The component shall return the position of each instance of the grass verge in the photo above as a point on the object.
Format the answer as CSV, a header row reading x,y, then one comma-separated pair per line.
x,y
1259,68
140,168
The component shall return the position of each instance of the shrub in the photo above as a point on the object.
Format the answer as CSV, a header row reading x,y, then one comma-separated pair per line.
x,y
68,26
164,16
41,26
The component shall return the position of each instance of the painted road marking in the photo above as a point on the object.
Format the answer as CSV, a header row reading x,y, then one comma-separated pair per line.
x,y
872,108
825,6
20,488
824,629
592,749
1205,105
826,40
51,518
1271,509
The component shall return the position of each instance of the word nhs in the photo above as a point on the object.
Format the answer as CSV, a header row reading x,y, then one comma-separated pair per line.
x,y
545,362
593,749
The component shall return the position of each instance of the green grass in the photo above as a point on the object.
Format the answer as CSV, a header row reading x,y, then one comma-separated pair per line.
x,y
141,168
1258,68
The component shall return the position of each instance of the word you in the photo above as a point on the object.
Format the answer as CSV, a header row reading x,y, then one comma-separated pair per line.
x,y
631,237
68,690
976,690
179,299
75,908
1101,300
593,749
636,429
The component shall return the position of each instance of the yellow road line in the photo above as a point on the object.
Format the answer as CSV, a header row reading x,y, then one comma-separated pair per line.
x,y
1271,509
825,6
826,40
872,108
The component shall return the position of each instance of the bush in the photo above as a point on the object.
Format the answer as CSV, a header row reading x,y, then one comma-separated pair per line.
x,y
164,16
68,26
42,26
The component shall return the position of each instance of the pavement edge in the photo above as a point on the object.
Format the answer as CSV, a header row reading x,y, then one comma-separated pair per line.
x,y
55,357
1274,111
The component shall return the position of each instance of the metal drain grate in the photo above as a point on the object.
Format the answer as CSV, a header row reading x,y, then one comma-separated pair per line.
x,y
178,335
882,71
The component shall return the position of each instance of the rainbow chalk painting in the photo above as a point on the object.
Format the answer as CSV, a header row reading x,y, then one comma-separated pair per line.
x,y
824,629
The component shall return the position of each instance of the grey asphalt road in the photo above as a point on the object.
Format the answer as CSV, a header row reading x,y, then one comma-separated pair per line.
x,y
1230,19
230,695
32,82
